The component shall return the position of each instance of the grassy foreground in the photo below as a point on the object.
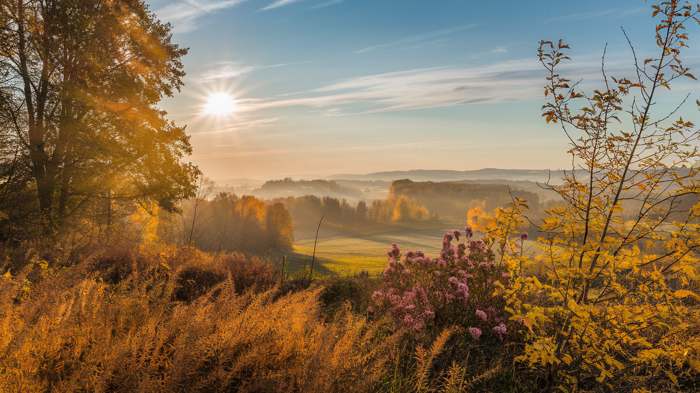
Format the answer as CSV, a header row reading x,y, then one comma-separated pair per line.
x,y
167,319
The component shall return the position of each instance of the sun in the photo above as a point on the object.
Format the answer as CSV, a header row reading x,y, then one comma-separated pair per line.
x,y
220,104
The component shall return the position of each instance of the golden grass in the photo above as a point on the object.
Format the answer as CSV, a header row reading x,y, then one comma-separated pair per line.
x,y
69,334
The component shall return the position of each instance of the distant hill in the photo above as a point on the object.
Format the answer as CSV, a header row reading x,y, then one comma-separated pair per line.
x,y
533,175
451,200
295,188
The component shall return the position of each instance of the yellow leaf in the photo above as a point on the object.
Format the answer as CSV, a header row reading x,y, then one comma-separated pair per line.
x,y
684,293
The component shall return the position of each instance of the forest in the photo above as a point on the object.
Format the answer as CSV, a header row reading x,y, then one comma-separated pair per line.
x,y
123,268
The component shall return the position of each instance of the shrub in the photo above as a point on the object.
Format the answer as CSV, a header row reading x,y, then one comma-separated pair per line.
x,y
114,267
193,282
427,295
249,273
617,305
354,291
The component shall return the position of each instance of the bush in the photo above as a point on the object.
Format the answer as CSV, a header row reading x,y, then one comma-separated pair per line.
x,y
426,296
250,273
193,282
354,291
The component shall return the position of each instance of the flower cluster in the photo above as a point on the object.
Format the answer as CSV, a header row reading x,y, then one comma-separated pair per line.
x,y
428,294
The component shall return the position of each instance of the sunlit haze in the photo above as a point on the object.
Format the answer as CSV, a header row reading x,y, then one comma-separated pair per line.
x,y
356,86
219,104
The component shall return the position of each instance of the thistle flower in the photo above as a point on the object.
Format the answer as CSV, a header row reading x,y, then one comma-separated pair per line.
x,y
481,315
523,237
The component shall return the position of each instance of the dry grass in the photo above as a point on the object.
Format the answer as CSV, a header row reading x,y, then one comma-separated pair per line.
x,y
74,331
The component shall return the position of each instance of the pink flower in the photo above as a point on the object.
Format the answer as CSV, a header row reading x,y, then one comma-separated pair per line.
x,y
475,332
394,252
482,315
500,330
468,232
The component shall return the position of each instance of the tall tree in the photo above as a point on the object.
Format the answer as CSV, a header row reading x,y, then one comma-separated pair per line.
x,y
80,82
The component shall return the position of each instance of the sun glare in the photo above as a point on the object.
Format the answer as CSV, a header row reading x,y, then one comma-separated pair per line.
x,y
220,104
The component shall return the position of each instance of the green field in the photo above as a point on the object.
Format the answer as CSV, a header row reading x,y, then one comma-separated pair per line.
x,y
345,252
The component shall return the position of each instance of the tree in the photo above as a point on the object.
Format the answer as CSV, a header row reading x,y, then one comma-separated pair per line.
x,y
80,83
618,300
279,227
361,212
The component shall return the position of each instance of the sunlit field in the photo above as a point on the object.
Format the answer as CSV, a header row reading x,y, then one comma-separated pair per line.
x,y
348,253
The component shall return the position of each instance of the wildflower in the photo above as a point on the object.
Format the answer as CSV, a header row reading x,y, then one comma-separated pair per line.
x,y
482,315
456,234
500,330
461,250
523,237
468,232
394,252
475,332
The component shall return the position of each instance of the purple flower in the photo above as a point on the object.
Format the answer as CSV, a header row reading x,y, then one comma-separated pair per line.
x,y
456,234
482,315
475,332
468,232
394,252
523,237
500,330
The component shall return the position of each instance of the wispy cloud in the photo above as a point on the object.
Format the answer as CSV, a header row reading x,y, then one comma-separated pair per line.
x,y
279,3
327,4
617,12
231,70
507,81
417,39
184,14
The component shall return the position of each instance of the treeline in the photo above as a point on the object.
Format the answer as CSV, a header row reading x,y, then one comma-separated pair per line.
x,y
307,210
228,222
288,187
451,200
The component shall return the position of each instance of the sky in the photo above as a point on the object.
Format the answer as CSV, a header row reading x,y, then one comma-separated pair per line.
x,y
356,86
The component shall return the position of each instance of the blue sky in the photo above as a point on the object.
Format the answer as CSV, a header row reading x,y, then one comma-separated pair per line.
x,y
340,86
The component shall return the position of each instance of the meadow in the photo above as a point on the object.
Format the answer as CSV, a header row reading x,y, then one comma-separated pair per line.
x,y
344,252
